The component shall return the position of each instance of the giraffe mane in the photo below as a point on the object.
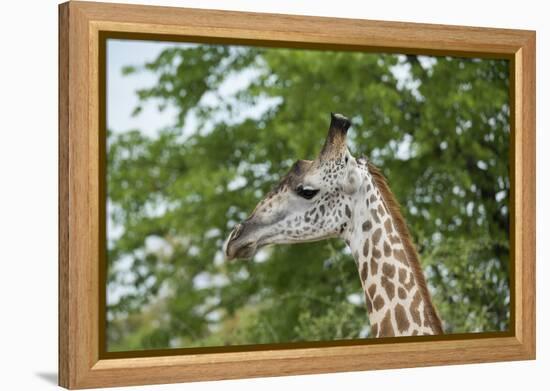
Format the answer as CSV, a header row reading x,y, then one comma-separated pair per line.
x,y
399,222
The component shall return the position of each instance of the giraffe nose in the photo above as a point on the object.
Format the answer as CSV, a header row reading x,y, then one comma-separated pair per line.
x,y
239,244
229,249
236,232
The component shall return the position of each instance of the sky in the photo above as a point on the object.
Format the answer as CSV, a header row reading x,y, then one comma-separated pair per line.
x,y
121,96
121,89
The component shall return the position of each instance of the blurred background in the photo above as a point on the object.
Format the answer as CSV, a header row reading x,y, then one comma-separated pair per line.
x,y
197,134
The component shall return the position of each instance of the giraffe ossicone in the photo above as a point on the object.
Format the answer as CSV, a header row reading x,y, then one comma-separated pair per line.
x,y
337,195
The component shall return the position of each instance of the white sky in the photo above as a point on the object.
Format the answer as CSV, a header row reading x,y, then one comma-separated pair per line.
x,y
121,96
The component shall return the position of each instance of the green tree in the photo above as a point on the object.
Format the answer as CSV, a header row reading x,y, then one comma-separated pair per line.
x,y
437,126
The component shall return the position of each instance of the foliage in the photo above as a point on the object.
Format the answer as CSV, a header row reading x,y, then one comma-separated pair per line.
x,y
437,127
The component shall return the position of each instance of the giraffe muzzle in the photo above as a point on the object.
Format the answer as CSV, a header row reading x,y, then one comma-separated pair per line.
x,y
238,246
236,232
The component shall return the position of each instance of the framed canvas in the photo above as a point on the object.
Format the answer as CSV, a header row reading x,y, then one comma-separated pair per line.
x,y
230,187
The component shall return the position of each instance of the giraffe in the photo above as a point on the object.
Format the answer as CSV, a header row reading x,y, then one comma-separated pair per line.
x,y
336,195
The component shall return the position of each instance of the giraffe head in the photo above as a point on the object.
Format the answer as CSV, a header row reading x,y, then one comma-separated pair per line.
x,y
312,201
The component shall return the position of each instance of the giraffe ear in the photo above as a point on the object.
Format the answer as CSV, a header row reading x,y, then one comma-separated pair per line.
x,y
353,179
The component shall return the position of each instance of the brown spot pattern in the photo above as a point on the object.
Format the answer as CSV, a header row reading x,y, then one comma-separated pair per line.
x,y
401,293
366,248
400,256
388,286
415,313
367,225
373,266
403,274
386,329
381,210
364,271
376,253
376,236
401,318
372,290
388,270
374,330
426,316
378,302
400,227
409,285
387,249
388,226
348,211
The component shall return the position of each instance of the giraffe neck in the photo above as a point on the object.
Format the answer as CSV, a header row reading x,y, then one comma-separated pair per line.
x,y
398,302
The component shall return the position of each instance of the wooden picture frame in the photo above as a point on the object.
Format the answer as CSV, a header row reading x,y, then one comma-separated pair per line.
x,y
82,362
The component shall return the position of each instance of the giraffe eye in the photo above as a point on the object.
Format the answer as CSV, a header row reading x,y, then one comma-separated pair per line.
x,y
306,192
